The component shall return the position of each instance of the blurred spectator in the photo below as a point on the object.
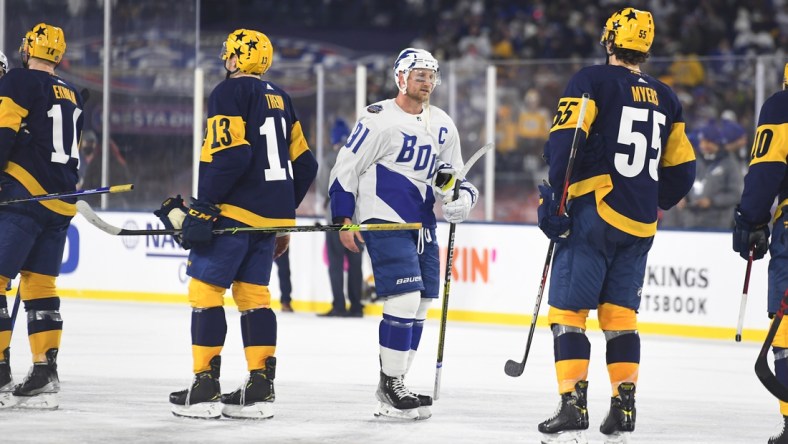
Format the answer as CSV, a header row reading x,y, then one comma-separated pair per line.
x,y
534,124
508,156
735,139
90,163
718,182
339,257
90,170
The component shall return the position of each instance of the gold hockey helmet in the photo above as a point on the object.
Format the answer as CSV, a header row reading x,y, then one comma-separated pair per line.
x,y
629,28
44,42
253,50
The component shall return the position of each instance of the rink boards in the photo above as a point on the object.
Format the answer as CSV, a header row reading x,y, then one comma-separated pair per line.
x,y
693,284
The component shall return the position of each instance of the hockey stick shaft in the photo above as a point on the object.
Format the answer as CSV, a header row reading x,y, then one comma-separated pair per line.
x,y
512,367
449,262
77,193
87,212
743,304
762,370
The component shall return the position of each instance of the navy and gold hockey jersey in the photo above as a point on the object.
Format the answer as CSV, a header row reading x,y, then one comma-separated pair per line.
x,y
633,153
255,162
767,176
40,125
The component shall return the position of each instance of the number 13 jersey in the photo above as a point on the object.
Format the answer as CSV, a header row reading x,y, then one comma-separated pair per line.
x,y
255,163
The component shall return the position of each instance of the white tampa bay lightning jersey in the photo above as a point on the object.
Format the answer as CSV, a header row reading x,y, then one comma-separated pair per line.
x,y
385,169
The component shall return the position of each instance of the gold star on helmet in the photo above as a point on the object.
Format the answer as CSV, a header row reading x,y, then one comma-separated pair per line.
x,y
238,52
631,15
41,31
252,44
240,35
616,25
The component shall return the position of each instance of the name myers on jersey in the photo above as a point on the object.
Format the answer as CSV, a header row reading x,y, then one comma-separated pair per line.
x,y
408,280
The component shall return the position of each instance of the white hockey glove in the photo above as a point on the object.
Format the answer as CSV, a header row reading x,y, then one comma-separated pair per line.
x,y
457,211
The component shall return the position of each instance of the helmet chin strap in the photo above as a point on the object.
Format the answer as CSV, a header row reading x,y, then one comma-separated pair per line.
x,y
229,73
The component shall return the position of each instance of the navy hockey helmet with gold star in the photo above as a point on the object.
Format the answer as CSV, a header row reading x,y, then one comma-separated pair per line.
x,y
629,28
253,50
44,42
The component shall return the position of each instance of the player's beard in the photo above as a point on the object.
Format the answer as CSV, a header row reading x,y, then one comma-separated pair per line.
x,y
419,96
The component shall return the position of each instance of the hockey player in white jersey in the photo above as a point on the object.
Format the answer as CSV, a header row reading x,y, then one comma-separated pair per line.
x,y
400,154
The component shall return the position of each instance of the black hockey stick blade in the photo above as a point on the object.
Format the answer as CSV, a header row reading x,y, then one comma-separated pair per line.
x,y
762,370
513,368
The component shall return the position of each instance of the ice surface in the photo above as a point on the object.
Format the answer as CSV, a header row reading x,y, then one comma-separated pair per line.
x,y
119,361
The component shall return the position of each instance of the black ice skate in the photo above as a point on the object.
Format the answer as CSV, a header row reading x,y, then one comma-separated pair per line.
x,y
6,381
425,402
620,421
202,399
570,420
254,399
782,436
395,400
40,388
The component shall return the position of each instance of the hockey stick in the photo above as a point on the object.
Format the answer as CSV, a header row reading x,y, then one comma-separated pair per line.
x,y
87,212
768,379
50,196
449,260
512,367
743,304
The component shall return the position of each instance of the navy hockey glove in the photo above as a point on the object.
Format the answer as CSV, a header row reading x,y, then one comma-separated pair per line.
x,y
748,236
198,225
171,214
554,226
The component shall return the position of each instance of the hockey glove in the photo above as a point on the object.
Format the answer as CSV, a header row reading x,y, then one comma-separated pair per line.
x,y
171,214
555,226
198,225
443,182
457,211
748,236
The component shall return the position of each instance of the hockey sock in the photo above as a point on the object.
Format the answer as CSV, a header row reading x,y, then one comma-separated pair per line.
x,y
44,326
623,343
209,327
395,334
258,329
572,352
623,357
781,371
418,328
5,317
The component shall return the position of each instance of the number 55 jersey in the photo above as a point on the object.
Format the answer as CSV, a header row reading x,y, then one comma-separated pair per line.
x,y
633,155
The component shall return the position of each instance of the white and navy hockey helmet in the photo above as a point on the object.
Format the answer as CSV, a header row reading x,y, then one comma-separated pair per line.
x,y
3,64
412,58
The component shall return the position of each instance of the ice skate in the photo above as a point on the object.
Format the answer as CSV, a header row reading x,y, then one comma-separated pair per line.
x,y
620,421
781,437
6,381
202,399
40,388
425,402
254,399
395,400
570,420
